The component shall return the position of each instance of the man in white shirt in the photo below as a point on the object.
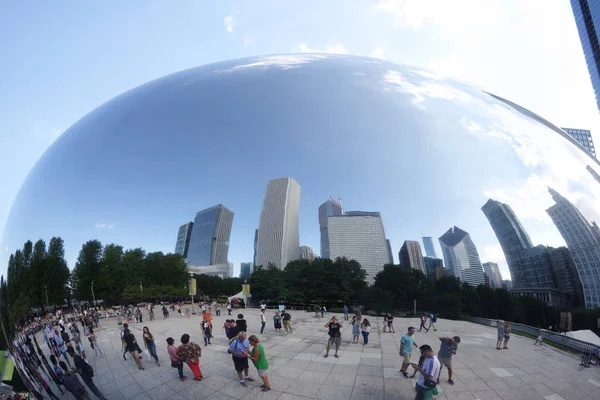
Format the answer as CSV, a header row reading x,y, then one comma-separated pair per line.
x,y
263,306
430,372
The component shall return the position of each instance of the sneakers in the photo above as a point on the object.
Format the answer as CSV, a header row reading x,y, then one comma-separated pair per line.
x,y
450,381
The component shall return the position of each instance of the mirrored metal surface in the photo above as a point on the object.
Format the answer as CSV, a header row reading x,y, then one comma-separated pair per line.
x,y
425,152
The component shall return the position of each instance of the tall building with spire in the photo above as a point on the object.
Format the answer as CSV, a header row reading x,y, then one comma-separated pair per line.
x,y
330,208
278,232
582,242
461,256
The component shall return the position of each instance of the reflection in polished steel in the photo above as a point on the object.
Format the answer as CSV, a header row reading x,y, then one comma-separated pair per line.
x,y
425,152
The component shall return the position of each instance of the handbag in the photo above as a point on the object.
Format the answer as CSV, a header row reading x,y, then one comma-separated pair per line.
x,y
430,383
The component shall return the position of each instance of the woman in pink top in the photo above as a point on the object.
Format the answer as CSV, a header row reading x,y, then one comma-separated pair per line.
x,y
176,361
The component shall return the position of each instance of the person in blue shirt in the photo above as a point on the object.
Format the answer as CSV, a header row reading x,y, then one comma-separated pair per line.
x,y
406,345
345,312
239,350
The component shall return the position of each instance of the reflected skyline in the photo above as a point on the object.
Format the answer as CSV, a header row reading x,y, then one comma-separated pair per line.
x,y
424,151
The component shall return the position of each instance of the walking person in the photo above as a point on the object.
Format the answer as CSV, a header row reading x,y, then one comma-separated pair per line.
x,y
432,321
72,383
448,348
423,319
287,321
365,329
150,345
60,376
430,373
259,359
43,382
140,315
507,331
345,312
229,308
62,348
539,337
190,353
241,323
85,371
206,332
500,335
277,321
239,350
390,323
406,345
95,345
132,347
263,321
335,336
176,361
355,329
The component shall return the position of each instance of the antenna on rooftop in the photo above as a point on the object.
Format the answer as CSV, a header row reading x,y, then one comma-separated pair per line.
x,y
340,200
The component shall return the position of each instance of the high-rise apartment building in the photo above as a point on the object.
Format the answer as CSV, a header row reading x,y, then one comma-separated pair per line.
x,y
306,253
245,270
330,208
583,137
493,272
410,255
389,246
359,236
566,275
183,239
209,241
582,243
429,247
432,265
587,18
278,235
461,256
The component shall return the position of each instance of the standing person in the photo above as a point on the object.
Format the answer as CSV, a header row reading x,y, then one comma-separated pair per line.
x,y
263,321
95,345
406,345
229,308
60,376
179,311
241,323
151,312
238,348
140,315
43,382
277,321
165,312
345,312
206,332
432,321
176,361
136,314
385,321
539,337
62,348
507,331
322,311
423,323
263,306
132,347
287,321
448,348
85,371
366,329
500,334
123,344
259,359
390,323
430,373
72,383
190,353
355,329
150,345
79,345
335,336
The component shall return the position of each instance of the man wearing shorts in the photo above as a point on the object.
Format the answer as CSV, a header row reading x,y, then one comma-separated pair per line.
x,y
406,345
448,348
335,336
239,350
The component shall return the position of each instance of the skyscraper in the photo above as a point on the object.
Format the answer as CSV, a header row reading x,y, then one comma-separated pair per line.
x,y
209,241
278,235
306,253
432,265
245,270
587,18
566,275
429,247
461,256
513,240
410,255
389,246
583,137
360,236
582,243
183,239
330,208
493,272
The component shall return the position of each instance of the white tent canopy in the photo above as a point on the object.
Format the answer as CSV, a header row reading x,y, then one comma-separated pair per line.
x,y
240,295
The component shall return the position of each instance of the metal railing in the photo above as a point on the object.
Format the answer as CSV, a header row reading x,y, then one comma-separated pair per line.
x,y
549,336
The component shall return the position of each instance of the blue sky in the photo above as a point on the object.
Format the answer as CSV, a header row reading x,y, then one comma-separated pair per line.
x,y
60,61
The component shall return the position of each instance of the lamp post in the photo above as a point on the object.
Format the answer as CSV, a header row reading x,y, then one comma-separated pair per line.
x,y
93,296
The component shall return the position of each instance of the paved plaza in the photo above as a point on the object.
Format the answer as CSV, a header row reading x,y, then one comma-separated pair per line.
x,y
297,369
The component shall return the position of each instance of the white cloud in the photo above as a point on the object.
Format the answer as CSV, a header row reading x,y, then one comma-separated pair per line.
x,y
377,52
230,23
104,226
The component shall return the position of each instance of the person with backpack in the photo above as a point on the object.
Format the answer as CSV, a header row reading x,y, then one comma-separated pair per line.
x,y
85,371
287,321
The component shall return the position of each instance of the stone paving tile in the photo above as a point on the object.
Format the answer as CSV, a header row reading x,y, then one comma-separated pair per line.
x,y
298,370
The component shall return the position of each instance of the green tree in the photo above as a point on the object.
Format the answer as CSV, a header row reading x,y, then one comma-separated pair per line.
x,y
133,266
56,272
378,300
111,282
266,284
35,274
87,270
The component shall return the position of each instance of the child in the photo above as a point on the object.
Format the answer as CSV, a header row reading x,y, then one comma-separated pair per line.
x,y
355,330
206,331
366,328
539,337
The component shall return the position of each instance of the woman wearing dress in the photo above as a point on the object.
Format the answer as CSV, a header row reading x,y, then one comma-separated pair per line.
x,y
150,345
